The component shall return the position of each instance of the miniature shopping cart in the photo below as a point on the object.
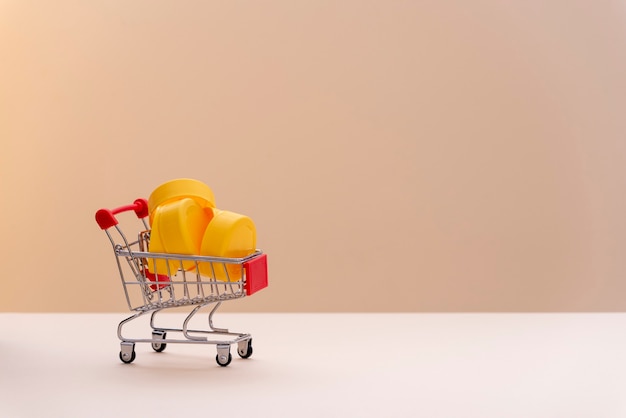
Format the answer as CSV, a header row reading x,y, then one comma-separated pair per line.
x,y
182,281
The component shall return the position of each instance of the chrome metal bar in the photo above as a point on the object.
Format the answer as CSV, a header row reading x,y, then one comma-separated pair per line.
x,y
125,321
186,322
186,341
222,330
185,257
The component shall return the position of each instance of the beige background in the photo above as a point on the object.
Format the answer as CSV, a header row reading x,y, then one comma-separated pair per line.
x,y
395,155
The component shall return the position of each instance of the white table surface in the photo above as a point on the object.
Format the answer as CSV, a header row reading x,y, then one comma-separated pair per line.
x,y
322,365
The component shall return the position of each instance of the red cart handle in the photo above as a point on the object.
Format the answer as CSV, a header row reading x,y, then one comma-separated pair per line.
x,y
106,217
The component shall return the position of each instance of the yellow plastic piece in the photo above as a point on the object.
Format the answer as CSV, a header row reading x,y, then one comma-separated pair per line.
x,y
156,246
178,228
231,235
178,189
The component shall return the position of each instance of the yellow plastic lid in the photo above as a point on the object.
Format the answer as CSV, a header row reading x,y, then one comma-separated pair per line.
x,y
158,265
231,235
177,189
179,226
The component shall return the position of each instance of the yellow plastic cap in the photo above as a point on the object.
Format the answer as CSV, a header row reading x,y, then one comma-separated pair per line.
x,y
178,189
178,228
159,265
230,235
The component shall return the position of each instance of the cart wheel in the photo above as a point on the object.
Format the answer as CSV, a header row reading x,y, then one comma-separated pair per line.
x,y
158,347
127,358
245,350
222,360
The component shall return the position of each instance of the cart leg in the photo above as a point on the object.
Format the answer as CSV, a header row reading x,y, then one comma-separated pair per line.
x,y
223,357
127,352
217,305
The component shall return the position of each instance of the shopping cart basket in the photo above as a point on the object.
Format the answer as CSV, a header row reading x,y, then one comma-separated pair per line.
x,y
178,284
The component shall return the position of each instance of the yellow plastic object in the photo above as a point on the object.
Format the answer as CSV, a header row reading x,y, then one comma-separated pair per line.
x,y
178,228
158,266
231,235
178,189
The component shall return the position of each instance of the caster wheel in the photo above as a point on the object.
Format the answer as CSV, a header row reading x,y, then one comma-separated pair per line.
x,y
127,358
245,350
223,360
159,347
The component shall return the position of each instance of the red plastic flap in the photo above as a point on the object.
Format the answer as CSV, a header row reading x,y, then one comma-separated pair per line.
x,y
105,219
162,280
256,274
141,208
